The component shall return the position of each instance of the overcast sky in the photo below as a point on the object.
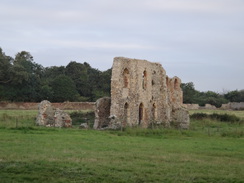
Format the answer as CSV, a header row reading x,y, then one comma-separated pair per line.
x,y
200,41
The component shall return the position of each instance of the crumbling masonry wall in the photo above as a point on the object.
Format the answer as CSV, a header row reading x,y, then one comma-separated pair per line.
x,y
142,94
102,113
51,117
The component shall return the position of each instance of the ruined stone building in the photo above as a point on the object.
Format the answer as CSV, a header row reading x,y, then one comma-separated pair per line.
x,y
51,117
142,95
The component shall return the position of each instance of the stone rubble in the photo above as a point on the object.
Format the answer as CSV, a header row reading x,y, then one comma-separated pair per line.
x,y
102,113
50,117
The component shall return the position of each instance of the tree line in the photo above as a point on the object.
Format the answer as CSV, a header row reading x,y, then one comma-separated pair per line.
x,y
23,80
192,96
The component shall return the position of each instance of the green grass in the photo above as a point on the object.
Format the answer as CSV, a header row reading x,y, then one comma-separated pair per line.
x,y
17,118
200,154
239,114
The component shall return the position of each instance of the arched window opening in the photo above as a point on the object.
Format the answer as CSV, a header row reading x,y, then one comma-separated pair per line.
x,y
167,81
126,114
141,115
176,83
126,78
144,80
154,112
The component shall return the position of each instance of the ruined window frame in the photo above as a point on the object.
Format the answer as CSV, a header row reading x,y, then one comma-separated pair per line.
x,y
126,78
126,114
141,113
154,112
144,80
176,83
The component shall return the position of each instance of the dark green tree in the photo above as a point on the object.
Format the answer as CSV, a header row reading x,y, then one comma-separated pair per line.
x,y
78,72
27,77
64,89
189,93
6,68
192,96
235,96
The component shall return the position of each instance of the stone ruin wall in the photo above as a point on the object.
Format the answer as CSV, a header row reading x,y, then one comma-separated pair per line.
x,y
229,106
102,113
49,116
142,93
191,106
233,106
34,106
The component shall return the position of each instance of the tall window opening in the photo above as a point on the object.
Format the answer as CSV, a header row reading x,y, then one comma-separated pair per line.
x,y
144,80
167,81
126,114
126,78
154,112
141,115
176,83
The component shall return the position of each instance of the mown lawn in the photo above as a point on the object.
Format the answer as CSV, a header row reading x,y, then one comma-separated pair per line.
x,y
36,154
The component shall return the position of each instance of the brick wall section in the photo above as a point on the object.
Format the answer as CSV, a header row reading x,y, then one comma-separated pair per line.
x,y
34,106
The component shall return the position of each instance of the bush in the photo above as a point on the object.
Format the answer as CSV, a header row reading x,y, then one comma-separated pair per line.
x,y
235,134
79,117
224,117
199,116
220,117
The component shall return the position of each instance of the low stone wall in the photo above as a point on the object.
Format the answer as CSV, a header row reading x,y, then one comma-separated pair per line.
x,y
233,106
191,106
229,106
34,106
196,106
18,105
237,105
208,106
225,106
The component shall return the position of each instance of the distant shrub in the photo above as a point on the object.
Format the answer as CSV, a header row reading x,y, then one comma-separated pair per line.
x,y
220,117
199,116
224,117
79,117
236,134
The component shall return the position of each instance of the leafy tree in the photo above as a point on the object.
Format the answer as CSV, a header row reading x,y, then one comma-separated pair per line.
x,y
45,93
51,72
106,75
235,96
192,96
26,77
189,93
6,67
78,73
64,89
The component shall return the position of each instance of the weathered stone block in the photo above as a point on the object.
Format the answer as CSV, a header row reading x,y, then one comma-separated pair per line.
x,y
49,116
62,119
102,113
181,118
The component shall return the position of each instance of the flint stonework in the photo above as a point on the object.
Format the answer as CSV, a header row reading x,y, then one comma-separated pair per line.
x,y
142,94
51,117
102,112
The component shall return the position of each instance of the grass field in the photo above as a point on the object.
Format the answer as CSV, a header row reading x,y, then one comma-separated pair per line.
x,y
210,151
237,113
